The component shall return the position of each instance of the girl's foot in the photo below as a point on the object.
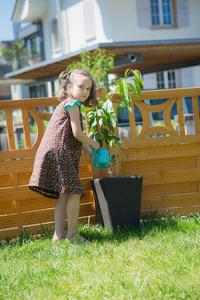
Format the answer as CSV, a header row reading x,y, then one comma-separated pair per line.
x,y
56,239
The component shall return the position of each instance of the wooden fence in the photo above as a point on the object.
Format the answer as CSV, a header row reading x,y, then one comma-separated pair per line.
x,y
170,164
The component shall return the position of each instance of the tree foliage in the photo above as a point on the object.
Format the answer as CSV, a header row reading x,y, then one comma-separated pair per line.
x,y
18,54
98,63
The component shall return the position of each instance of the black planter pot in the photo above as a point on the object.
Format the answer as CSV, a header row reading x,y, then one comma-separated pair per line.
x,y
118,200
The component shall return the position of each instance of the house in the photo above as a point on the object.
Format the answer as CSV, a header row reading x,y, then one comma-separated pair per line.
x,y
159,38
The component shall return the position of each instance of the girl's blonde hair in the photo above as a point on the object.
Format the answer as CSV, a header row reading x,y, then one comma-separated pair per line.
x,y
66,78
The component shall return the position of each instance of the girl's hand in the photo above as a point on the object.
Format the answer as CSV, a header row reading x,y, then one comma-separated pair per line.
x,y
95,145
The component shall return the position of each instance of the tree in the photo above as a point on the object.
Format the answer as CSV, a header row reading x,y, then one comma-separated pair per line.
x,y
18,54
98,63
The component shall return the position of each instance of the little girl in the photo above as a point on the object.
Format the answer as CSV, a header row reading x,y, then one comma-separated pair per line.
x,y
55,172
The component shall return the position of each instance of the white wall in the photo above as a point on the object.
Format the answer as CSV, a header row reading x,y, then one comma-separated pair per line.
x,y
50,15
196,72
124,20
115,21
75,25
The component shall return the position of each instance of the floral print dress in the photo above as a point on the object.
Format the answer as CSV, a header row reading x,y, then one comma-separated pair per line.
x,y
57,159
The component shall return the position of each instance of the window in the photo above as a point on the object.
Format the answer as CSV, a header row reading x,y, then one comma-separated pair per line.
x,y
167,80
38,91
123,117
34,49
161,11
55,36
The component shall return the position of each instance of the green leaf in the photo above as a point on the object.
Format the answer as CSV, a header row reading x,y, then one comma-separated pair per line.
x,y
127,71
100,122
110,126
90,134
100,141
136,90
118,144
138,77
107,106
96,135
86,108
124,89
105,131
99,112
92,123
90,115
125,96
105,114
116,138
113,120
109,140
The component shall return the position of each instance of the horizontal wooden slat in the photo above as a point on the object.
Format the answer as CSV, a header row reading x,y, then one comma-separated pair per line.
x,y
37,217
160,152
159,164
43,203
84,171
23,192
180,211
7,208
160,94
170,201
5,180
161,141
13,154
23,178
169,189
16,166
29,103
37,228
161,177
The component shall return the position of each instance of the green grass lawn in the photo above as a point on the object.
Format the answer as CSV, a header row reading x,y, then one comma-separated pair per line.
x,y
159,260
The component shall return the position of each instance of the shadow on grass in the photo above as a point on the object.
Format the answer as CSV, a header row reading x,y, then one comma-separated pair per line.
x,y
152,224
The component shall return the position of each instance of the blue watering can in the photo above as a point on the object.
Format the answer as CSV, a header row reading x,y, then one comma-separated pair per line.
x,y
101,158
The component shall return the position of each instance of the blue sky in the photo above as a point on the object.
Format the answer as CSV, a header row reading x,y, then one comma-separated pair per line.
x,y
6,11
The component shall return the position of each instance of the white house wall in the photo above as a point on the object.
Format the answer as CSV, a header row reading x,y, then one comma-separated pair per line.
x,y
103,15
124,20
50,15
115,21
196,72
75,25
75,21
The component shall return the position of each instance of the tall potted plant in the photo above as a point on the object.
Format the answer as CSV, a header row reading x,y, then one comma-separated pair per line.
x,y
117,199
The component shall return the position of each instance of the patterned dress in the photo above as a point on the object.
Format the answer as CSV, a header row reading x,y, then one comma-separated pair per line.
x,y
57,159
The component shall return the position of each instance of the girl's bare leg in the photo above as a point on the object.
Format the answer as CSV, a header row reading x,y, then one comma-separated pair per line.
x,y
60,217
73,204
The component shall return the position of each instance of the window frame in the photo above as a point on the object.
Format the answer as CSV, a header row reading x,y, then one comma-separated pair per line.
x,y
55,36
166,80
161,15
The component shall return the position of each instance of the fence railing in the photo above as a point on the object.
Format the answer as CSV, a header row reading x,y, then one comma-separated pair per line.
x,y
170,164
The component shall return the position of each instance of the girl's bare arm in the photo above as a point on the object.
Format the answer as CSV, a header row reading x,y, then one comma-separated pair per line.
x,y
87,149
76,128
